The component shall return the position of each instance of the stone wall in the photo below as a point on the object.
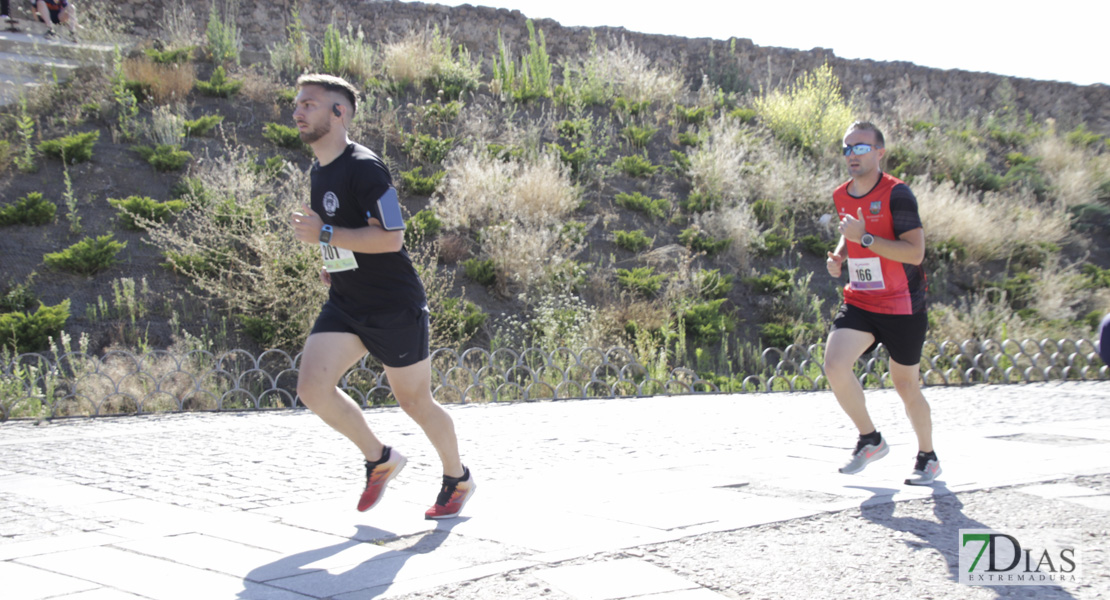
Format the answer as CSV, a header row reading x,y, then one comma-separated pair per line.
x,y
877,84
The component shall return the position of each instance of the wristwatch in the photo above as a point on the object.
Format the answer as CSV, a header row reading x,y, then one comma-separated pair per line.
x,y
866,240
325,234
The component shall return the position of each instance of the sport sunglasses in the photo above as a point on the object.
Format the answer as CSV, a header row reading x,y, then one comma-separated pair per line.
x,y
858,149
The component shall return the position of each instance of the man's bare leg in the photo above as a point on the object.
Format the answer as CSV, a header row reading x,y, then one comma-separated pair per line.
x,y
842,350
325,359
412,386
908,385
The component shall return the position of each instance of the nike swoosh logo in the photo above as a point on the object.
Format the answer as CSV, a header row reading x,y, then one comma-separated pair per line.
x,y
403,355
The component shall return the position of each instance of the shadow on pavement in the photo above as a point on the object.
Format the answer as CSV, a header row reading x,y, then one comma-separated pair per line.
x,y
943,535
370,578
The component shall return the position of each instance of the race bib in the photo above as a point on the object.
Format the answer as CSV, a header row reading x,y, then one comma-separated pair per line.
x,y
337,259
866,273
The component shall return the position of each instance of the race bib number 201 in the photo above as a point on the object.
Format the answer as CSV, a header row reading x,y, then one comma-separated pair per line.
x,y
866,273
337,259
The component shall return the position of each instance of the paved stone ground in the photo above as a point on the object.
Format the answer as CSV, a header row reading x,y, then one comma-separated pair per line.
x,y
693,497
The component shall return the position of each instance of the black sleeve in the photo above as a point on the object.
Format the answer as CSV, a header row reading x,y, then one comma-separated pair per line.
x,y
903,210
372,181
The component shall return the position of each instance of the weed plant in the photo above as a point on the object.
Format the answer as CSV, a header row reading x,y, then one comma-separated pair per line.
x,y
31,209
810,115
87,257
421,185
164,157
31,331
224,42
136,210
657,208
633,241
71,149
219,85
202,126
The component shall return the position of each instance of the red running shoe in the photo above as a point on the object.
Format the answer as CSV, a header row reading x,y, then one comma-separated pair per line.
x,y
454,495
378,475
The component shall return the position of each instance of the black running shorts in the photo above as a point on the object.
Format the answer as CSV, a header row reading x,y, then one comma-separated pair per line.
x,y
397,338
902,335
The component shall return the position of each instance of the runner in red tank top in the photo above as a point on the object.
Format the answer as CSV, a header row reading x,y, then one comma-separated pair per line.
x,y
883,244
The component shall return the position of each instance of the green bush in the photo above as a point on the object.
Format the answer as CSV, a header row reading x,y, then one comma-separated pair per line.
x,y
219,85
424,225
419,184
73,149
694,115
1094,216
712,284
653,207
31,332
283,136
145,208
773,244
18,296
458,319
263,330
639,137
744,115
699,241
780,335
699,202
224,42
164,157
775,282
1099,277
686,138
817,247
426,148
202,126
1026,175
86,257
633,241
481,271
532,79
706,323
170,57
32,209
641,280
1082,138
632,108
810,115
635,166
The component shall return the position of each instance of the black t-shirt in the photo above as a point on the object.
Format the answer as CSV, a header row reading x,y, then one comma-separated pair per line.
x,y
345,193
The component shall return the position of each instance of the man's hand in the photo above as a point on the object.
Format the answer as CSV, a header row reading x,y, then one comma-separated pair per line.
x,y
307,225
325,277
834,264
852,228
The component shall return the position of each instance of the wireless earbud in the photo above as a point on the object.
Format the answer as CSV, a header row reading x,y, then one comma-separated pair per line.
x,y
335,109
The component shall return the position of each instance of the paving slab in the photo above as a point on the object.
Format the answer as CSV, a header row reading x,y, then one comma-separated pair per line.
x,y
559,483
615,579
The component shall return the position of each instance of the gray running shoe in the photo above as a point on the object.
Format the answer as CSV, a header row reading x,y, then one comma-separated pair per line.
x,y
864,455
925,472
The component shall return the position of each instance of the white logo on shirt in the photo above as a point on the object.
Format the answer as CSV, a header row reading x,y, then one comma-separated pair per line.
x,y
331,203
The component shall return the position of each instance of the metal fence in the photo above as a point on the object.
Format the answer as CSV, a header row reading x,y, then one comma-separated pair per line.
x,y
77,384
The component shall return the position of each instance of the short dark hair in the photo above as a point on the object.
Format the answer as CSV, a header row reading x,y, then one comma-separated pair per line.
x,y
867,126
331,83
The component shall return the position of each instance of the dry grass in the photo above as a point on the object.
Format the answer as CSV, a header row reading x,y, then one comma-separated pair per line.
x,y
413,59
166,125
1074,174
480,190
179,25
726,163
167,83
738,224
991,226
976,317
634,76
529,260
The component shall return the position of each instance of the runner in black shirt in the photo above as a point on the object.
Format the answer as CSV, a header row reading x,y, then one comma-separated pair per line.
x,y
376,301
